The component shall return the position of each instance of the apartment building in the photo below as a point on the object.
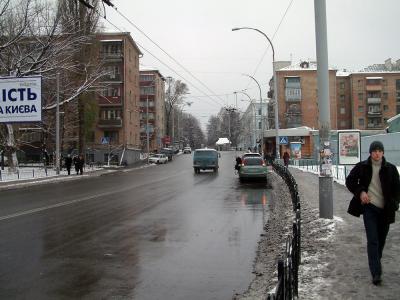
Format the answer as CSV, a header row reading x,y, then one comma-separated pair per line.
x,y
117,130
152,108
362,100
375,98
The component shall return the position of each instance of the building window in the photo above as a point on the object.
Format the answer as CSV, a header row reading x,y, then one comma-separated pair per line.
x,y
342,110
112,135
110,114
342,99
397,109
360,96
259,111
361,122
343,124
398,84
259,125
146,77
385,108
384,95
360,108
341,85
360,83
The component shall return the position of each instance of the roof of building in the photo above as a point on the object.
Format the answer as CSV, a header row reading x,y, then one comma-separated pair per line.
x,y
151,70
303,66
107,38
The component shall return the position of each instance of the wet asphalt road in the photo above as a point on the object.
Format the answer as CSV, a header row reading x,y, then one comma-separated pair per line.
x,y
160,232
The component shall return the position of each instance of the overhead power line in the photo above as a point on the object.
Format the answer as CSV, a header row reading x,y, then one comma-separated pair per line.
x,y
273,36
167,66
166,53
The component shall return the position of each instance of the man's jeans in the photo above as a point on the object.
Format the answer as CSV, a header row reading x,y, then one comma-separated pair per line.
x,y
376,229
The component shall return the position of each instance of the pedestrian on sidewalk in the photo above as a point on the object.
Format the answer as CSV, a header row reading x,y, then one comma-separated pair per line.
x,y
376,187
81,163
68,163
286,157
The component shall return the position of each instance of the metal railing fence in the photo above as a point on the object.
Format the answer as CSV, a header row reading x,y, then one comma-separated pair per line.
x,y
287,286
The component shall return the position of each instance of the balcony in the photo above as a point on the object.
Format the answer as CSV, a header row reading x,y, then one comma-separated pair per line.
x,y
374,87
111,56
374,100
110,101
374,126
374,113
292,95
112,78
114,123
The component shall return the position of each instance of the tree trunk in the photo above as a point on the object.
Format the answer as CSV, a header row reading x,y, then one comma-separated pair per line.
x,y
11,154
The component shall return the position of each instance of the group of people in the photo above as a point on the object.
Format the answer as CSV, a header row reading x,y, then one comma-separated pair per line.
x,y
77,161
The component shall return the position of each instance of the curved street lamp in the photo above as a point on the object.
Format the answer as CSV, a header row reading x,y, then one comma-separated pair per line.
x,y
275,87
255,117
261,115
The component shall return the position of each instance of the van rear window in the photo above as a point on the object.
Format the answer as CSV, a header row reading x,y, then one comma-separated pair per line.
x,y
205,153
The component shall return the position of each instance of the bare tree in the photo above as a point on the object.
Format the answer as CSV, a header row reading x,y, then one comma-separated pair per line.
x,y
43,38
176,91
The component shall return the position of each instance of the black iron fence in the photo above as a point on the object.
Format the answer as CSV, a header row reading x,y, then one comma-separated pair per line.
x,y
288,266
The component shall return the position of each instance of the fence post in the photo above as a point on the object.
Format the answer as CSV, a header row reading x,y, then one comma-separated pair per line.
x,y
18,173
281,276
1,177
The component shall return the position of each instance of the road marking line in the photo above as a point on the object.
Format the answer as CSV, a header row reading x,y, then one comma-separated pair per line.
x,y
32,211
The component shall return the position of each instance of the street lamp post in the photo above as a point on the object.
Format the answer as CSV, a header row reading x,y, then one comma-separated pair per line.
x,y
276,115
255,116
261,115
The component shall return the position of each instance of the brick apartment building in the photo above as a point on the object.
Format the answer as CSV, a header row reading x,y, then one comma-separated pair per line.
x,y
362,100
152,108
117,126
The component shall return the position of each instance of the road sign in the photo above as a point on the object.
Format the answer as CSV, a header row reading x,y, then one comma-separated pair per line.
x,y
283,140
105,140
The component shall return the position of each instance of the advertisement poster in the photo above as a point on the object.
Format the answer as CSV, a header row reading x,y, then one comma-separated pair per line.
x,y
349,147
20,99
295,148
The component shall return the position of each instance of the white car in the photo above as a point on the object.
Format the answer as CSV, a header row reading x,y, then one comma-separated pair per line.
x,y
158,159
187,150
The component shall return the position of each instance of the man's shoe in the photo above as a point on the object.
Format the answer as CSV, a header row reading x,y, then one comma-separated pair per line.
x,y
376,280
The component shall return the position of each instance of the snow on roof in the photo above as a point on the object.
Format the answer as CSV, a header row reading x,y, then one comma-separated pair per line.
x,y
105,41
342,73
303,66
374,77
223,141
298,131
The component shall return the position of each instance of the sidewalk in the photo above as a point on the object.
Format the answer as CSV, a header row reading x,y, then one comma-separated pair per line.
x,y
23,182
334,255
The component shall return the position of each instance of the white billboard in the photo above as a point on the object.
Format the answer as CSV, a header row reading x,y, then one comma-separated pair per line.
x,y
20,99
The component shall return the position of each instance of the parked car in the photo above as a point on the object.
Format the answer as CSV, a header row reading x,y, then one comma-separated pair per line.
x,y
253,167
187,150
251,154
158,159
205,159
168,152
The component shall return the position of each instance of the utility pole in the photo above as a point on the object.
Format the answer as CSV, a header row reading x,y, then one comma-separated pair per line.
x,y
325,176
58,126
230,110
147,129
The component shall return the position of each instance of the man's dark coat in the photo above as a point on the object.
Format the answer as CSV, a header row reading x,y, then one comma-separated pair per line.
x,y
359,180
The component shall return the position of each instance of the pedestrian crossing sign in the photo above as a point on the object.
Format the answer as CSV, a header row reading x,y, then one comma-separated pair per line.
x,y
105,140
283,140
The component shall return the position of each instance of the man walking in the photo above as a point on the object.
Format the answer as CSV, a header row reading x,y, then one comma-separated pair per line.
x,y
376,188
68,163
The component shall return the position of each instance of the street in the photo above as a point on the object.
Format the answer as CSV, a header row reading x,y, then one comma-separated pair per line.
x,y
160,232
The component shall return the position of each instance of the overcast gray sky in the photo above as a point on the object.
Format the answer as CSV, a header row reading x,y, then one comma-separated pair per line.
x,y
198,35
